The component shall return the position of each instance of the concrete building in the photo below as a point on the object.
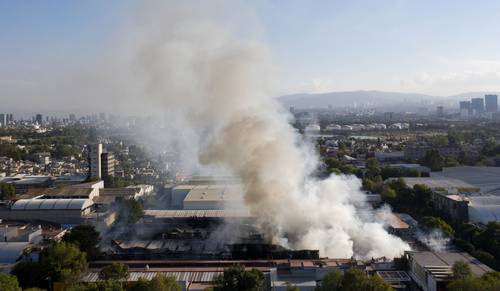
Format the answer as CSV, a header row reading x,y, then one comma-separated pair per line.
x,y
23,183
39,119
432,271
483,209
485,178
416,152
3,119
107,164
454,206
440,111
62,211
491,103
95,162
477,105
213,197
465,109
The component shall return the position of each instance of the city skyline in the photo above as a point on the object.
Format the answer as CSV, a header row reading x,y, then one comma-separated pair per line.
x,y
394,46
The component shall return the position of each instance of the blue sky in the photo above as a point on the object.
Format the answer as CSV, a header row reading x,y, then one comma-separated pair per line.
x,y
435,47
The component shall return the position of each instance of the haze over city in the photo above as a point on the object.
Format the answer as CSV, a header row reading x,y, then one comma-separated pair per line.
x,y
54,51
249,146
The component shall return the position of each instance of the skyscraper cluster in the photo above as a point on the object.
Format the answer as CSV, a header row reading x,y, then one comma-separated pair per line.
x,y
479,106
6,119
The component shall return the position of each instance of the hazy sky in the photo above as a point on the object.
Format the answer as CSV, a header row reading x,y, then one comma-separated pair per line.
x,y
434,47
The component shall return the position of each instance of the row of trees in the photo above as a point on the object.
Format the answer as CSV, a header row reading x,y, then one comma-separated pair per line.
x,y
464,280
352,280
7,191
236,278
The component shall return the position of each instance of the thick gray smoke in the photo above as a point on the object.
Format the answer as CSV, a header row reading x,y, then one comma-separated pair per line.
x,y
214,91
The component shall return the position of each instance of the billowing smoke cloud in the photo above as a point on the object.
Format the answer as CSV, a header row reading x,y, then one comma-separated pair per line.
x,y
214,89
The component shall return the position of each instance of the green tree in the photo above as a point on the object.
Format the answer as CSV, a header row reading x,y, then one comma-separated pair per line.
x,y
388,194
130,211
331,282
141,285
115,271
436,222
9,283
433,160
487,282
355,279
373,167
236,278
7,191
99,286
291,287
86,238
65,262
34,289
163,283
31,274
461,270
423,197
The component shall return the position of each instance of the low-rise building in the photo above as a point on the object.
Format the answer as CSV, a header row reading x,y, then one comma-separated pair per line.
x,y
432,271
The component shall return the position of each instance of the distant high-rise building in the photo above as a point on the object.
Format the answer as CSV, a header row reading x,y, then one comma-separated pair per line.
x,y
39,119
491,103
3,119
107,164
102,116
388,116
440,111
464,105
10,118
477,105
95,152
72,117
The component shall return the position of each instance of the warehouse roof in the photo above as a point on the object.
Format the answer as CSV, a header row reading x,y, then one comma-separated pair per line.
x,y
486,178
11,251
215,193
440,264
240,213
179,276
54,204
438,182
60,191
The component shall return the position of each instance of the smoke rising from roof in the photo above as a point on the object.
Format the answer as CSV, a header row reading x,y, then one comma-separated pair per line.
x,y
214,89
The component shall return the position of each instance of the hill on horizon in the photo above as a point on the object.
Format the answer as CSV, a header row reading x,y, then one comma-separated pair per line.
x,y
374,99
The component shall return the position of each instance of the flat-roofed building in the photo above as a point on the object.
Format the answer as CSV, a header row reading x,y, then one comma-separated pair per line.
x,y
450,185
485,178
212,197
107,164
95,152
61,211
432,271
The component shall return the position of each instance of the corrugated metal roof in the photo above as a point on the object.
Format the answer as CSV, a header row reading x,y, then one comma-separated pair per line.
x,y
55,204
202,277
241,213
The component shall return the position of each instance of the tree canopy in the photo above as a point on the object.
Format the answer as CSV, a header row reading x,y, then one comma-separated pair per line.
x,y
115,271
352,280
461,270
86,238
236,278
65,262
7,191
9,283
487,282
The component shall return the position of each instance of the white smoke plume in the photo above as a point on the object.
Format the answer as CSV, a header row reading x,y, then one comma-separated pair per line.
x,y
214,89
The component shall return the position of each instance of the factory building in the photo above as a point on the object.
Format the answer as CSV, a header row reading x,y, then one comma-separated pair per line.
x,y
207,197
63,211
432,271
